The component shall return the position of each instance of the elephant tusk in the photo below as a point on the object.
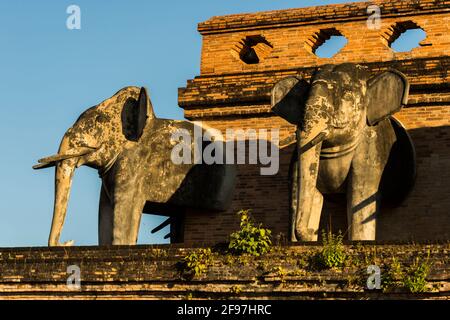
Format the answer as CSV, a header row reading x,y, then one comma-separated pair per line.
x,y
51,161
43,165
317,139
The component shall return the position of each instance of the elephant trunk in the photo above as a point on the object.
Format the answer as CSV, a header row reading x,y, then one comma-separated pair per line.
x,y
309,199
64,169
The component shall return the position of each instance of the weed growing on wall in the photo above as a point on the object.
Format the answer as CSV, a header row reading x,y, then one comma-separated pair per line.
x,y
416,274
332,254
196,263
250,239
411,278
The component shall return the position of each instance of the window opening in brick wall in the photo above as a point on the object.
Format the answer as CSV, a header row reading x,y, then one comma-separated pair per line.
x,y
327,42
405,36
252,49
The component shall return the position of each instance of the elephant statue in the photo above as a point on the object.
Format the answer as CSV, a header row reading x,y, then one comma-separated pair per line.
x,y
131,148
347,141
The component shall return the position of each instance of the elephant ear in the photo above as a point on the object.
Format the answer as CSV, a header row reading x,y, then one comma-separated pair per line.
x,y
135,116
145,111
288,98
386,94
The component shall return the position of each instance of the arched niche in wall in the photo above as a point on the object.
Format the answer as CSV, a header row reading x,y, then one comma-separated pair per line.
x,y
404,36
326,43
252,49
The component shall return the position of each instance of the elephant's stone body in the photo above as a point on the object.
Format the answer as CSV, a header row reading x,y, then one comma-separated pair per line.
x,y
155,179
347,142
131,148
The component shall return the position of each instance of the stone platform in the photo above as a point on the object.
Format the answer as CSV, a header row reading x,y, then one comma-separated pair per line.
x,y
150,272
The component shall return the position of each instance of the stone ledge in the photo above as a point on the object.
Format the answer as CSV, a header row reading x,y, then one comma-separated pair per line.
x,y
429,75
149,272
319,14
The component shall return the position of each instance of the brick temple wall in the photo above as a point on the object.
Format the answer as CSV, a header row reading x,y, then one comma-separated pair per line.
x,y
151,272
230,93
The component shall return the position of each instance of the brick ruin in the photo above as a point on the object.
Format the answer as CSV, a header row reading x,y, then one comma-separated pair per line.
x,y
242,57
150,272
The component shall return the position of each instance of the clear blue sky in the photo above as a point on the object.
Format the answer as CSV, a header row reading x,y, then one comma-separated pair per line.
x,y
49,75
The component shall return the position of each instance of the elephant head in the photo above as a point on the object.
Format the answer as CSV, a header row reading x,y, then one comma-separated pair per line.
x,y
95,140
337,100
332,113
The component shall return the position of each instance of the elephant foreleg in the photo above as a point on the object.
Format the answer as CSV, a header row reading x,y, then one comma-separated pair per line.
x,y
310,200
127,218
362,207
363,199
128,204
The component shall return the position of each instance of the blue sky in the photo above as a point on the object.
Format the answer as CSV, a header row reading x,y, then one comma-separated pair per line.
x,y
50,74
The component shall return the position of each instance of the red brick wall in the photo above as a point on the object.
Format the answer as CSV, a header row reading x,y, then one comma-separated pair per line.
x,y
232,94
292,39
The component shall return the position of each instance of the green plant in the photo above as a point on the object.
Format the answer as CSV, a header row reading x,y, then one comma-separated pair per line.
x,y
250,239
393,275
411,278
236,289
229,260
416,274
280,272
332,254
196,263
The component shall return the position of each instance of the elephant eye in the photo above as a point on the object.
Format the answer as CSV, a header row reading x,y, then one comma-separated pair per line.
x,y
100,118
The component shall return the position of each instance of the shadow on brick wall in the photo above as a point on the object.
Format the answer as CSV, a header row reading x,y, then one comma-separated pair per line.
x,y
425,213
423,216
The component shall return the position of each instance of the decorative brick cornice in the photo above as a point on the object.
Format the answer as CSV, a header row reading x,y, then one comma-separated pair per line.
x,y
319,14
428,75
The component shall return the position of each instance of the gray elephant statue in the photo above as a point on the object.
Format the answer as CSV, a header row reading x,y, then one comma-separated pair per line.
x,y
346,142
131,149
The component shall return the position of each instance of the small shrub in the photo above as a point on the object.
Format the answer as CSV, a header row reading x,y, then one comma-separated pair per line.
x,y
411,278
250,239
196,263
333,251
393,275
415,276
